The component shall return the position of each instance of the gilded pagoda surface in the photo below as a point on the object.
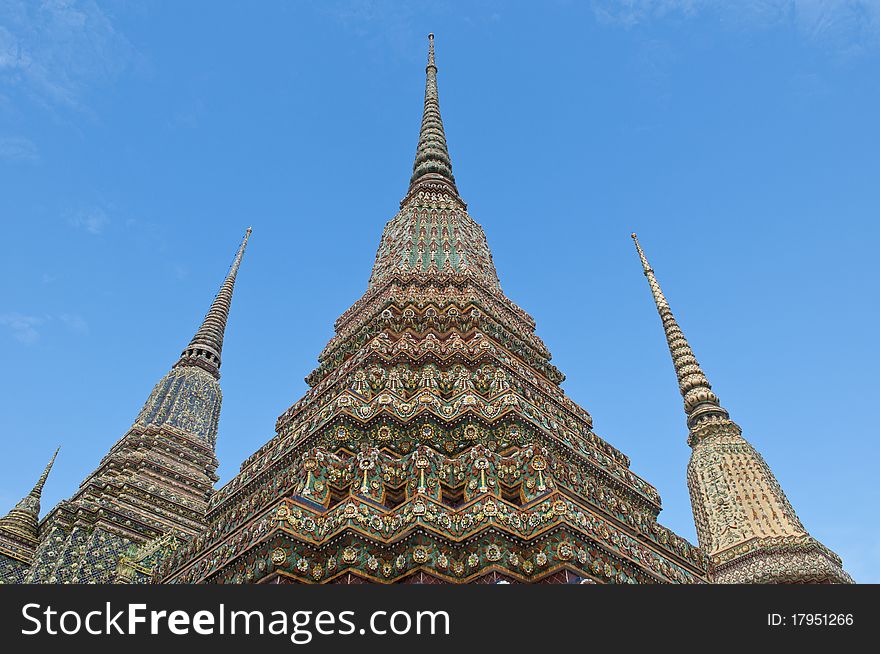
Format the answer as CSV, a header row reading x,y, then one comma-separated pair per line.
x,y
745,523
435,444
149,493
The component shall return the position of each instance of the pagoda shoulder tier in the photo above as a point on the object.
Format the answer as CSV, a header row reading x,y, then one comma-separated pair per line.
x,y
439,289
507,429
154,480
172,455
464,314
475,387
446,350
461,375
322,499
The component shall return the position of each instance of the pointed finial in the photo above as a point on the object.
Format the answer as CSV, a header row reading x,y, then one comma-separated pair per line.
x,y
38,487
432,161
699,400
645,264
206,346
659,298
23,519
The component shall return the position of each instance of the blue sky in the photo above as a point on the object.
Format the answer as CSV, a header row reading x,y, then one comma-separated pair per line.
x,y
739,139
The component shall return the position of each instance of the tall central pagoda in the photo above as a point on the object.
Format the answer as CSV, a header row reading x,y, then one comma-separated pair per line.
x,y
435,444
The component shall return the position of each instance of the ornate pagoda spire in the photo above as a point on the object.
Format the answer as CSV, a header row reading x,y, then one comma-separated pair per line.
x,y
434,373
206,346
152,488
433,235
187,398
432,156
699,400
23,519
744,521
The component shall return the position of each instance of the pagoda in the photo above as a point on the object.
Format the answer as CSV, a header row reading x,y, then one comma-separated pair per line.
x,y
435,444
20,532
150,492
745,523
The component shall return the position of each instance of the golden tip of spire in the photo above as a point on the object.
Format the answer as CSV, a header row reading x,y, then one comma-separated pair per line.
x,y
250,229
633,235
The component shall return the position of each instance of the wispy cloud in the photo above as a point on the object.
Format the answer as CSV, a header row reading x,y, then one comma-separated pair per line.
x,y
75,323
28,329
18,149
52,50
93,221
24,328
844,24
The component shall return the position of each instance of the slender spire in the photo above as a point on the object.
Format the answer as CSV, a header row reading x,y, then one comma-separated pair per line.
x,y
744,521
699,400
432,156
206,346
37,490
24,518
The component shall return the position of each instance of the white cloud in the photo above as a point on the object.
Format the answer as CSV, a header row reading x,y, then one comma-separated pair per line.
x,y
54,49
23,327
75,323
28,329
93,221
18,149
